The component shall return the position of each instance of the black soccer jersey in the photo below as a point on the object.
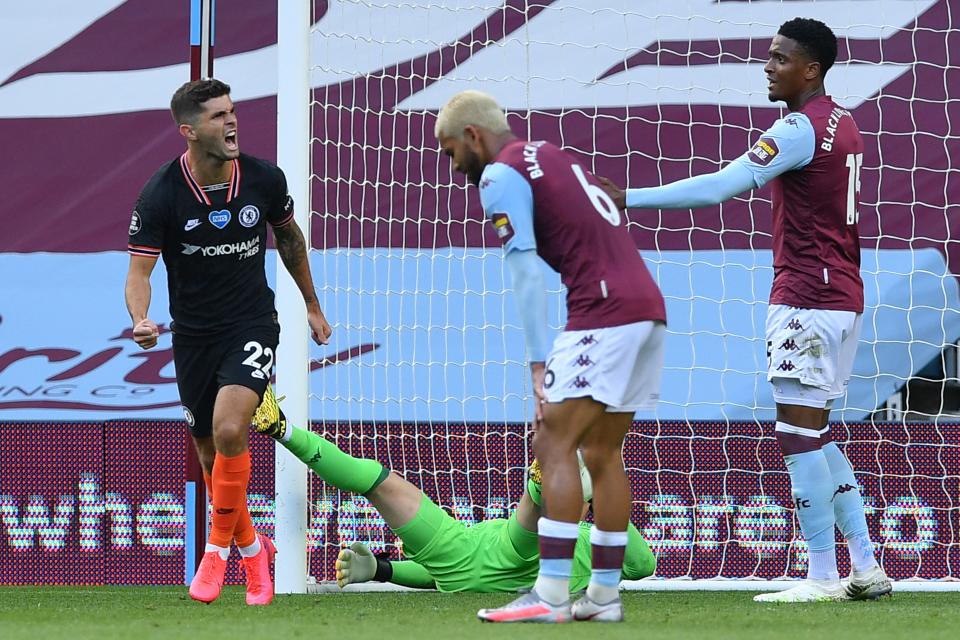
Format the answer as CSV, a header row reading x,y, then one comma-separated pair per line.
x,y
213,241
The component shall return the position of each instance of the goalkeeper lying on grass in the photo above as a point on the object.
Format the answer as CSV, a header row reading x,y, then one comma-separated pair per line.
x,y
444,554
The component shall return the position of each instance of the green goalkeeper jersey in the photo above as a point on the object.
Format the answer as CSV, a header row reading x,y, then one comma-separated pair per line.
x,y
498,555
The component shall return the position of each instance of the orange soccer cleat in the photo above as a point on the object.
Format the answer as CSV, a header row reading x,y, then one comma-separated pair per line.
x,y
257,568
208,581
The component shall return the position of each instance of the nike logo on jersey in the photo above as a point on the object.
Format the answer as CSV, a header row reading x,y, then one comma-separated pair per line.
x,y
192,224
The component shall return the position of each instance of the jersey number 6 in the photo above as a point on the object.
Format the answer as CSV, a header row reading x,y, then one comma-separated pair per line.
x,y
598,197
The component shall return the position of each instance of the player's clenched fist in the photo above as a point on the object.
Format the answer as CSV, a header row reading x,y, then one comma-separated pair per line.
x,y
146,333
319,327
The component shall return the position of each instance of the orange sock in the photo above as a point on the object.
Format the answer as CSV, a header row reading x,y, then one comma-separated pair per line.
x,y
230,478
244,534
207,480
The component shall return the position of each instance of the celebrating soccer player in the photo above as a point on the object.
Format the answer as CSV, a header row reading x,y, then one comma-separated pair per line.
x,y
603,367
497,555
206,214
813,157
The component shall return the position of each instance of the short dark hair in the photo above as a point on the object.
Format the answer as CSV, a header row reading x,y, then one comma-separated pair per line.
x,y
187,101
816,38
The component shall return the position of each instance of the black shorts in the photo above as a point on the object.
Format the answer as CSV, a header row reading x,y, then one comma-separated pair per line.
x,y
243,356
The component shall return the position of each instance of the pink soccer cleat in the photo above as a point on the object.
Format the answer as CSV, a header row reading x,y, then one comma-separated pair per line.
x,y
208,581
257,568
528,608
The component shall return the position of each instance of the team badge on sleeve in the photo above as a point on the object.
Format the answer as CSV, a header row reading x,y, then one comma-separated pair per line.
x,y
135,223
501,224
763,151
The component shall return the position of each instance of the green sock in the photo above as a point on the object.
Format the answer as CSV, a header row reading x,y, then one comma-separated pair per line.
x,y
356,475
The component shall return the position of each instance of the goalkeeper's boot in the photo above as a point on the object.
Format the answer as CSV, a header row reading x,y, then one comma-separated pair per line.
x,y
208,581
868,585
268,419
807,591
356,564
528,608
257,569
587,609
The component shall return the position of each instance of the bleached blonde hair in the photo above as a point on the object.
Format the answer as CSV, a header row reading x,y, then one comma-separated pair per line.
x,y
470,108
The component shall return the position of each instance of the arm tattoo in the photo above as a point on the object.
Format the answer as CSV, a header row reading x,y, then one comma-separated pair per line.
x,y
293,252
290,245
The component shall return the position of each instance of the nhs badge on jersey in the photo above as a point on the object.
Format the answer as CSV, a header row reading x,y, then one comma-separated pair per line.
x,y
763,151
501,224
249,216
219,219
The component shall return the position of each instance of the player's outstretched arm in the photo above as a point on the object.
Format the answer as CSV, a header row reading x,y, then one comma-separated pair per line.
x,y
699,191
293,252
137,293
787,145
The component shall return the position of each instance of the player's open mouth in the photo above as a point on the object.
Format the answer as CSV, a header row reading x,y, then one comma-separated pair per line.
x,y
231,140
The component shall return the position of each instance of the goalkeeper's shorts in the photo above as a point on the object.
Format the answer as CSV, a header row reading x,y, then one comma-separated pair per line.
x,y
491,556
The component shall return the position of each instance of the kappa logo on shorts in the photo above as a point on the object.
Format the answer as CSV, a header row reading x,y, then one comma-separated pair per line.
x,y
794,325
219,219
587,339
789,345
580,382
584,360
786,365
249,216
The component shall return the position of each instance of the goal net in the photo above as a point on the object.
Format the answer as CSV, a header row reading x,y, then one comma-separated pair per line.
x,y
426,372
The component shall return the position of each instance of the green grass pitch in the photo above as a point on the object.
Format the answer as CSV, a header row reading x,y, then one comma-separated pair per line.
x,y
141,613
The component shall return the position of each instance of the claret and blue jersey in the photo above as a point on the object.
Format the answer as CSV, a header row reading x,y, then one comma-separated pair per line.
x,y
538,197
812,159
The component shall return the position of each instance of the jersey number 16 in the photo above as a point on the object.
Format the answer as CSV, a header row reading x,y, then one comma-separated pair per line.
x,y
854,162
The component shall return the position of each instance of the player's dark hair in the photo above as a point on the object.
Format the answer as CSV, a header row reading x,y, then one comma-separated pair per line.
x,y
187,102
816,38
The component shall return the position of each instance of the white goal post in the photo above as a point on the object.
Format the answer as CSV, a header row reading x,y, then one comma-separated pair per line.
x,y
293,154
425,370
